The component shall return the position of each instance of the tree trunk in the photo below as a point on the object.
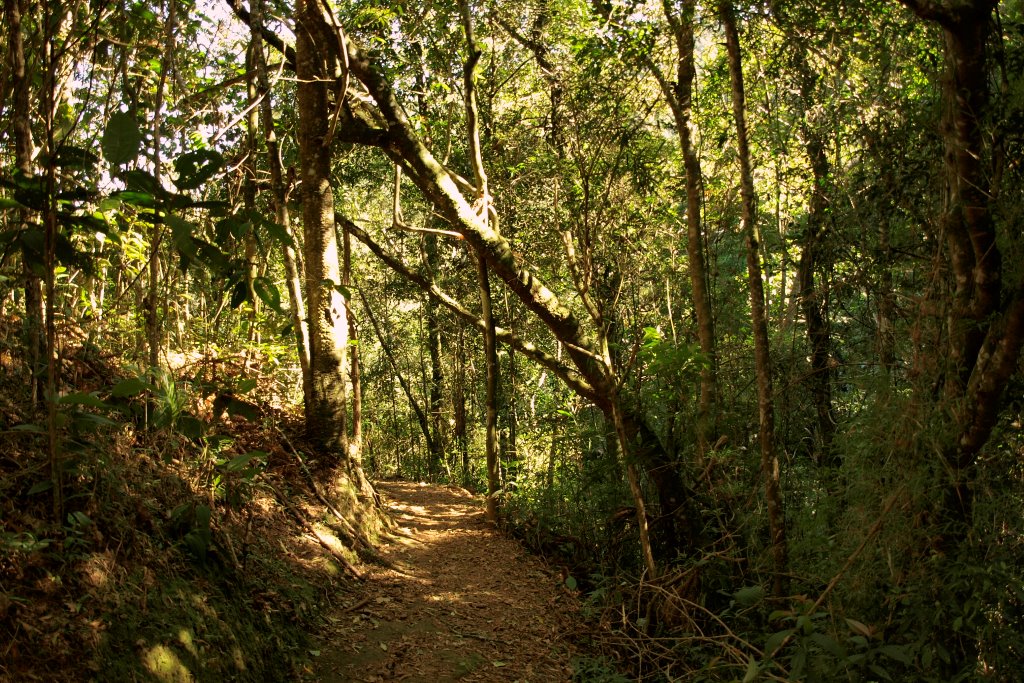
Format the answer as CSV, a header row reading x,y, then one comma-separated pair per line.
x,y
355,441
491,406
762,357
436,371
679,95
316,67
459,406
21,122
814,298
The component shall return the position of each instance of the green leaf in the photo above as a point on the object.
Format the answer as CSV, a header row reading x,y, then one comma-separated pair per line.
x,y
195,168
29,427
859,627
90,420
246,385
570,583
78,519
39,487
828,645
191,426
69,156
198,540
749,595
181,235
143,199
880,672
212,256
138,180
233,226
752,671
239,294
9,203
775,641
121,139
240,462
83,398
277,232
268,292
898,653
132,386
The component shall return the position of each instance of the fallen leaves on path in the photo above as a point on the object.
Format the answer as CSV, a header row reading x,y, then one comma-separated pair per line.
x,y
463,603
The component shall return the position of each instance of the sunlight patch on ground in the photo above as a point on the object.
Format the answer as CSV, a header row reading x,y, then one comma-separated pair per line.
x,y
163,663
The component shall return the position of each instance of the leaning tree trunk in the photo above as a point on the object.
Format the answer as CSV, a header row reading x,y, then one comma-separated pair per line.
x,y
762,358
384,124
316,67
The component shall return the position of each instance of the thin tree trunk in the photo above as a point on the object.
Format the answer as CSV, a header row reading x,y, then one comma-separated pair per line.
x,y
762,358
154,323
679,95
436,374
638,495
491,407
249,198
21,122
355,442
483,209
459,405
814,298
385,345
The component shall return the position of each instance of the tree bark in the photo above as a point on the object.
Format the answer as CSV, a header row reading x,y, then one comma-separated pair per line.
x,y
316,67
355,441
459,406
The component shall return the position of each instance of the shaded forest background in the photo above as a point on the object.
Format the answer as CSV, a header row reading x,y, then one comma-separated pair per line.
x,y
720,305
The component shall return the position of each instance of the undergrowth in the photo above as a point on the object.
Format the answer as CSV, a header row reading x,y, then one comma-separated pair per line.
x,y
175,557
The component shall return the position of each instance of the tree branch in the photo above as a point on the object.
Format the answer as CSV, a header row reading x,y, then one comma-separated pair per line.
x,y
571,378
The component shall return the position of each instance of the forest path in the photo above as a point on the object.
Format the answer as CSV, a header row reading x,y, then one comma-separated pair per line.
x,y
464,603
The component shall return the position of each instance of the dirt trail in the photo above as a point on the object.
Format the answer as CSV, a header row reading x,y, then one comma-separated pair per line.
x,y
463,604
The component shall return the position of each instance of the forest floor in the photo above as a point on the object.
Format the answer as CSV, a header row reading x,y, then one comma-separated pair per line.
x,y
462,602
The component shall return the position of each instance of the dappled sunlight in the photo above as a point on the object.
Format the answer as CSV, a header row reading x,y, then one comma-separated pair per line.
x,y
165,666
461,600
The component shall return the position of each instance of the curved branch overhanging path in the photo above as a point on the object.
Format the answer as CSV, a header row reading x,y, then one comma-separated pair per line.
x,y
464,603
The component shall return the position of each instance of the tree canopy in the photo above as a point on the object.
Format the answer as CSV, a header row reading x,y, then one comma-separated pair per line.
x,y
718,304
